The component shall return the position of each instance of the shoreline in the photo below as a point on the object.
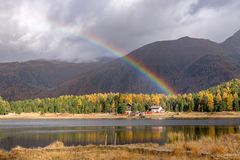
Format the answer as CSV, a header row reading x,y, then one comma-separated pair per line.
x,y
224,147
164,115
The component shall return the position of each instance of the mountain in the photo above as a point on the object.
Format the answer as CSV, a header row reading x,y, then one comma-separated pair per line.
x,y
206,72
233,43
30,79
186,64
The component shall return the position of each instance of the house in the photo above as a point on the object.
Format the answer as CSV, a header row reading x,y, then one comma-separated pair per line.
x,y
128,109
156,109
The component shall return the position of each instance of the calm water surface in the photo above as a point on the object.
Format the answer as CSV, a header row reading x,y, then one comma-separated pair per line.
x,y
39,133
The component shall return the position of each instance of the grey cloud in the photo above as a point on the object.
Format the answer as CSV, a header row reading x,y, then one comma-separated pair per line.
x,y
38,29
209,4
73,12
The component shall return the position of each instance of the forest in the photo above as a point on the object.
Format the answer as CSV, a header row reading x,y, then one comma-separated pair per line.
x,y
224,97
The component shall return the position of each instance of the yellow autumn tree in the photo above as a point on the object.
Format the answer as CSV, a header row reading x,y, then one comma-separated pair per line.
x,y
210,101
225,95
79,103
230,102
126,98
218,98
113,107
155,99
147,98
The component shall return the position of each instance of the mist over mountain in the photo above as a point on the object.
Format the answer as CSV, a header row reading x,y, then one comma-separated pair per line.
x,y
186,65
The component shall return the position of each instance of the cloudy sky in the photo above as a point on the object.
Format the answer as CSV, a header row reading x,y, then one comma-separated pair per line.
x,y
57,29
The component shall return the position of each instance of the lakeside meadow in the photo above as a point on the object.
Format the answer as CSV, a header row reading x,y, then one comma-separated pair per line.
x,y
224,148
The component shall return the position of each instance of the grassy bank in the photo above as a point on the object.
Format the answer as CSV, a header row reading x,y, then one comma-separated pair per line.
x,y
173,115
225,147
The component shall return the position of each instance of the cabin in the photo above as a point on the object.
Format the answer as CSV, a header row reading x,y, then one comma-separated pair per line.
x,y
156,109
128,109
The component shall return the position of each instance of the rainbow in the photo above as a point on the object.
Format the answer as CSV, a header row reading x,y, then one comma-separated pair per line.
x,y
160,83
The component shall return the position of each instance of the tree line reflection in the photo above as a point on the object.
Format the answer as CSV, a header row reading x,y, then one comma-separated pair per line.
x,y
40,137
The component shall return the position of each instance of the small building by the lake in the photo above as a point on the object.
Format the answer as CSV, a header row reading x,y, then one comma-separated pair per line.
x,y
156,109
128,109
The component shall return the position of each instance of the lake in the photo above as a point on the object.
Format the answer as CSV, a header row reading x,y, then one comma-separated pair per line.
x,y
39,133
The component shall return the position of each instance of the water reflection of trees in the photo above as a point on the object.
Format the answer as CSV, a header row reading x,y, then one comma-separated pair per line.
x,y
113,135
196,132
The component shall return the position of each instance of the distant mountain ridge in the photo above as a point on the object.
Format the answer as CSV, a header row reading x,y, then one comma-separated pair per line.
x,y
186,64
29,79
233,43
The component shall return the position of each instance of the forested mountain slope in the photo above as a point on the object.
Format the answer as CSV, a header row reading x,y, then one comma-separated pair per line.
x,y
186,65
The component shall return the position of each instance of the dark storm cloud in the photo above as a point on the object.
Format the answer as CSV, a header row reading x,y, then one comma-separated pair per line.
x,y
34,29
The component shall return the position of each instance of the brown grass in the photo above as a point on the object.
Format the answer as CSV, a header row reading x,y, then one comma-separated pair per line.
x,y
56,144
225,147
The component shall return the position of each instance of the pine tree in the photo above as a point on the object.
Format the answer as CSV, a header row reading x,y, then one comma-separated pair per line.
x,y
236,102
4,107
